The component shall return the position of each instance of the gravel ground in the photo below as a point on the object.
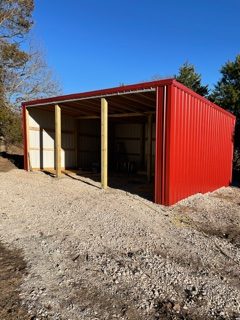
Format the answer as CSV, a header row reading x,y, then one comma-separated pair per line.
x,y
94,254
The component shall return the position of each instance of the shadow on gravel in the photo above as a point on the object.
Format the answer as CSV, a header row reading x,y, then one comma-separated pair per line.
x,y
121,306
12,269
107,306
79,179
16,159
168,310
230,233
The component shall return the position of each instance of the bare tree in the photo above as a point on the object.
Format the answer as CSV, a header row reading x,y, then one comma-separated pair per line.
x,y
24,75
15,18
32,80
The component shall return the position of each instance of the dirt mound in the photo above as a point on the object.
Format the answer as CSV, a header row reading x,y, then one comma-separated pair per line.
x,y
11,160
6,165
12,269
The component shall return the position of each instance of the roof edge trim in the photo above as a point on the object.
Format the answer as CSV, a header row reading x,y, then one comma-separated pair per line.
x,y
103,92
91,97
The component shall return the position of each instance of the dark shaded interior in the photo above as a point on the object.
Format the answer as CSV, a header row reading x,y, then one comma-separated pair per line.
x,y
128,122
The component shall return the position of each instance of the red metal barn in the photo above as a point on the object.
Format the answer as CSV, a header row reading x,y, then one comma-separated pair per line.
x,y
162,130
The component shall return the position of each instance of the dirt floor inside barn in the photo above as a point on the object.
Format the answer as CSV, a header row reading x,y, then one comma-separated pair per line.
x,y
69,250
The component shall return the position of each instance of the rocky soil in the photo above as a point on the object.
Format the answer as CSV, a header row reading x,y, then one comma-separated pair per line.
x,y
94,254
5,165
12,270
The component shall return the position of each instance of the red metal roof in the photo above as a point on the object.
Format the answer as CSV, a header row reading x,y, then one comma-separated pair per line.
x,y
119,90
102,92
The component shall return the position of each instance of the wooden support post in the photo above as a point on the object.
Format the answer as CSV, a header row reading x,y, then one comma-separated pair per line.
x,y
104,143
76,122
57,146
149,148
142,145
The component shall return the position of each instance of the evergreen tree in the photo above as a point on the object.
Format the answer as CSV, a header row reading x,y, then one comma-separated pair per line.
x,y
227,91
191,79
227,94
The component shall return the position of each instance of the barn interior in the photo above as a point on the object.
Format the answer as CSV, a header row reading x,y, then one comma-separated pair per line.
x,y
131,139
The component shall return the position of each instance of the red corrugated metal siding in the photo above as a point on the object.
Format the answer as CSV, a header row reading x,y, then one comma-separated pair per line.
x,y
199,146
159,187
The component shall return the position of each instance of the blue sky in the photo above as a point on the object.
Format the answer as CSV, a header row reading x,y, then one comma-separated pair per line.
x,y
95,44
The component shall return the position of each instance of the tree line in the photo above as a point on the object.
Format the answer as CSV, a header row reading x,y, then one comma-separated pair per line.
x,y
226,93
25,75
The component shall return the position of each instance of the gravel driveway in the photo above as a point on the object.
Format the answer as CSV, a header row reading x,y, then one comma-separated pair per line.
x,y
94,254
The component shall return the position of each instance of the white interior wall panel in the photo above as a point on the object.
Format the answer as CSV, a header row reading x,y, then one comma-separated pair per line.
x,y
47,139
34,158
68,141
128,140
127,143
69,159
128,130
89,143
41,139
48,159
153,144
34,139
41,118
